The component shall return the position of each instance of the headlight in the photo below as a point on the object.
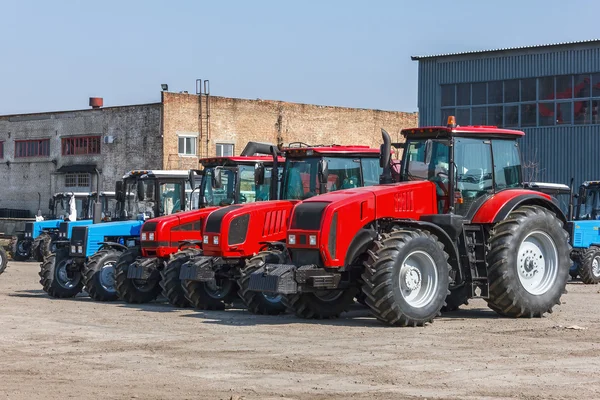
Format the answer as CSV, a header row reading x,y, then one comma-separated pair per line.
x,y
292,239
312,240
151,236
144,236
80,249
215,240
73,249
205,239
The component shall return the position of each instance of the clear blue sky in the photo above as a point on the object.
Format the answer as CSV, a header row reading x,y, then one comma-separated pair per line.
x,y
56,54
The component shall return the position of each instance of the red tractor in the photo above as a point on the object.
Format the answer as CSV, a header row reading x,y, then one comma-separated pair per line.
x,y
234,234
459,225
140,274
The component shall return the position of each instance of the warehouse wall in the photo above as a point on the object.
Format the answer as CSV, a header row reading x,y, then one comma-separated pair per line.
x,y
137,144
238,121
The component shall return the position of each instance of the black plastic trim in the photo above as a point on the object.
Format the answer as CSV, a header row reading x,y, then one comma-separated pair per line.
x,y
213,222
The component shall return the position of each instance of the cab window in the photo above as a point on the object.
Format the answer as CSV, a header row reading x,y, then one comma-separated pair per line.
x,y
507,164
371,171
170,198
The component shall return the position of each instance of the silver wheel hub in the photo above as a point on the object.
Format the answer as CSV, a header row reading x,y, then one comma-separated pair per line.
x,y
596,266
217,291
66,280
537,263
418,279
107,276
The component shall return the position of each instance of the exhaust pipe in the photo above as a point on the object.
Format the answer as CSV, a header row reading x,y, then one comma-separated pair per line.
x,y
385,157
253,148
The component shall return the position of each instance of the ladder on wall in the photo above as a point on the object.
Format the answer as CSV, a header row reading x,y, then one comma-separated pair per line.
x,y
203,92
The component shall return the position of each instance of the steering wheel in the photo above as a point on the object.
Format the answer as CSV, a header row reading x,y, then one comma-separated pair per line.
x,y
243,198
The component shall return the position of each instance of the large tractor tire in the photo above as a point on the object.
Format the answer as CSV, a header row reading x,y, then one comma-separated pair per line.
x,y
457,297
406,277
57,279
21,250
528,263
325,304
172,287
216,295
258,302
99,275
589,266
42,247
3,259
134,291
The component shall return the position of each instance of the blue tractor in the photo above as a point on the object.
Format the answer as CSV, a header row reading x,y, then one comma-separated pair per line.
x,y
37,240
87,260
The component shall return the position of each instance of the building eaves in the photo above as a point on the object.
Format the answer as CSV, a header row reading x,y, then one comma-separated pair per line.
x,y
539,46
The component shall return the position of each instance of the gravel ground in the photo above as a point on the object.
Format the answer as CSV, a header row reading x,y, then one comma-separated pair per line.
x,y
78,348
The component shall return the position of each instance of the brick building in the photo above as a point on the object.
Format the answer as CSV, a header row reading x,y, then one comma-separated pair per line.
x,y
59,151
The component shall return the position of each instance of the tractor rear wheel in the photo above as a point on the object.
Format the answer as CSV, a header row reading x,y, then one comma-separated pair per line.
x,y
57,279
134,291
325,304
258,302
22,249
172,286
36,247
528,263
3,259
99,275
406,277
589,266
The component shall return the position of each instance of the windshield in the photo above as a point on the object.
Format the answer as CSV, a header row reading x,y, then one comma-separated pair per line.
x,y
62,207
109,207
215,195
427,160
301,176
590,209
167,200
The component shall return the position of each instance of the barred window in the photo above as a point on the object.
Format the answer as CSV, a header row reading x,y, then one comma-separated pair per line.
x,y
80,145
32,148
77,180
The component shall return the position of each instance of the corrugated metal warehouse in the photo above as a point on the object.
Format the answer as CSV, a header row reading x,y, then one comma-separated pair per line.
x,y
551,92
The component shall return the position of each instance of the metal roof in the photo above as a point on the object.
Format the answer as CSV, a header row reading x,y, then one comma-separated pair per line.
x,y
538,46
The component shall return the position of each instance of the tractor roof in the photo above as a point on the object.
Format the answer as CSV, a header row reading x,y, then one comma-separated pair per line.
x,y
333,150
590,183
477,130
102,194
69,194
237,160
157,173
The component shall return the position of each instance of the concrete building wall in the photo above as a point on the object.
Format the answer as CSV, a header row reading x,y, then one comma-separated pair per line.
x,y
136,144
237,121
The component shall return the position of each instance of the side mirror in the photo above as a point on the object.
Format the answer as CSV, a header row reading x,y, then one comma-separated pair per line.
x,y
259,174
140,191
192,177
216,179
119,191
323,171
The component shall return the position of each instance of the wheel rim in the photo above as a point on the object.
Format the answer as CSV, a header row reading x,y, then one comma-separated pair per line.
x,y
272,298
65,278
418,279
596,267
217,291
107,276
537,263
21,247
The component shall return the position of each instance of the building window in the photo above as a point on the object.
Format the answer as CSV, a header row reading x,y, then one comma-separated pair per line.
x,y
224,150
1,150
32,148
187,145
531,102
80,145
77,180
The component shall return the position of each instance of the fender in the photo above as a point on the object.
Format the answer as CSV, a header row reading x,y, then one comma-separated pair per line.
x,y
360,244
112,245
497,207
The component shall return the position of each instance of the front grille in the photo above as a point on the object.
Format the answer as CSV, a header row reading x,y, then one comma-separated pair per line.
x,y
213,222
238,228
63,230
79,234
306,257
307,216
149,227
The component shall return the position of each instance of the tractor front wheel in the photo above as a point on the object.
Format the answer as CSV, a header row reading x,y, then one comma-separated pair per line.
x,y
406,277
99,275
325,304
528,263
57,277
134,291
3,259
258,302
22,250
172,287
589,266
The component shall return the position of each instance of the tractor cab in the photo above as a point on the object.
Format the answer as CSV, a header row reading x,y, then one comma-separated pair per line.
x,y
466,164
236,180
109,205
585,237
60,205
588,201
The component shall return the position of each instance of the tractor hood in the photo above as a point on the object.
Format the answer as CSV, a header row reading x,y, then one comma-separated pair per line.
x,y
238,230
85,240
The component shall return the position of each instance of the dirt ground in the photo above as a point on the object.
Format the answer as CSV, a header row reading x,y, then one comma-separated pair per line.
x,y
78,348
